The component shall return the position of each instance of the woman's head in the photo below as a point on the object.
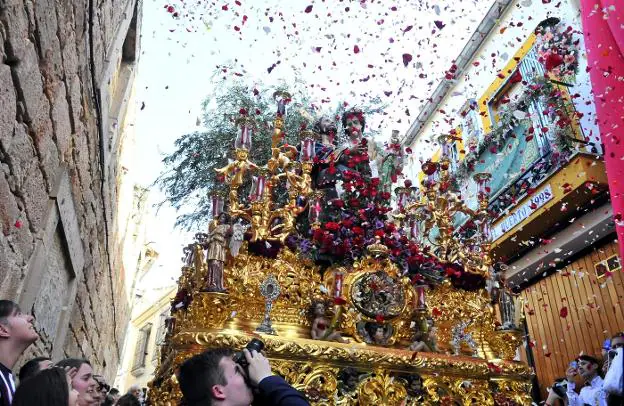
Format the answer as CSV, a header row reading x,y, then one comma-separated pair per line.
x,y
50,387
82,381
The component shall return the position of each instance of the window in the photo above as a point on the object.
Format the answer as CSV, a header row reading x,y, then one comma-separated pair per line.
x,y
160,335
140,351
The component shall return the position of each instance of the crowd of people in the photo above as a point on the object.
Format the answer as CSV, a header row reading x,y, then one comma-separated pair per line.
x,y
584,383
210,378
41,381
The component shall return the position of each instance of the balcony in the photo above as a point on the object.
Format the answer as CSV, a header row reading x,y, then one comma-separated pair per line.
x,y
543,197
540,162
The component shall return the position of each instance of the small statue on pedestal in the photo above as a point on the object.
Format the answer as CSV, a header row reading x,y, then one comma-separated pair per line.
x,y
425,338
321,327
217,242
459,334
501,295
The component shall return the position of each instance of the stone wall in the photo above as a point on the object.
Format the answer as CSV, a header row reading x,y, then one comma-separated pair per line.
x,y
66,73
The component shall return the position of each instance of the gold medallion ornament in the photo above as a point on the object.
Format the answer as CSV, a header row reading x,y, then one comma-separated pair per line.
x,y
368,331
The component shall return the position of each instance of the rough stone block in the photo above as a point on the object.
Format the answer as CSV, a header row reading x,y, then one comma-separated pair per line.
x,y
21,156
8,104
61,123
35,197
29,84
49,47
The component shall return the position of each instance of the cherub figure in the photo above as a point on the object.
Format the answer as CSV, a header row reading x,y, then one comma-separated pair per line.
x,y
321,328
425,339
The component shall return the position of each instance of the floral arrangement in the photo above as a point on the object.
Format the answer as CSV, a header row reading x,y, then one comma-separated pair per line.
x,y
359,218
558,50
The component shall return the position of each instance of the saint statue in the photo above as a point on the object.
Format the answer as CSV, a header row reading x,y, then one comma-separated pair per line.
x,y
217,242
353,124
390,163
324,172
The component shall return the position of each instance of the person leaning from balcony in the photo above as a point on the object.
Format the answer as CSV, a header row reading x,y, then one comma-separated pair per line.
x,y
33,367
50,387
591,393
82,380
16,334
213,378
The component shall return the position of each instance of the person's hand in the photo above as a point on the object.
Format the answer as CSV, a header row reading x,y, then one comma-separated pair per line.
x,y
259,367
71,373
571,373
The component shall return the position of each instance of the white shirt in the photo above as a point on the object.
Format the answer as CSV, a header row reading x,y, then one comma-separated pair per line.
x,y
591,394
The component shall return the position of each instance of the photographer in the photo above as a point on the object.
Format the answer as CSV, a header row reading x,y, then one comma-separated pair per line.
x,y
214,378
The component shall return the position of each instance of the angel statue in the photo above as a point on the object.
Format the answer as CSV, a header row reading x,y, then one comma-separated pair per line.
x,y
321,327
238,235
217,243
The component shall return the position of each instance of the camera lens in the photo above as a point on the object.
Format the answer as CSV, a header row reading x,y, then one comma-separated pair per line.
x,y
255,344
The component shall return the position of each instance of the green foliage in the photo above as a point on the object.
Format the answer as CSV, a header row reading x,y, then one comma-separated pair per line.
x,y
189,176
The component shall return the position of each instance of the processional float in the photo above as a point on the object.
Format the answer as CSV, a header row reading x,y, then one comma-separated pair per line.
x,y
356,304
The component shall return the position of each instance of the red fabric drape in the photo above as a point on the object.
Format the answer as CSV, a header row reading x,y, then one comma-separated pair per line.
x,y
603,29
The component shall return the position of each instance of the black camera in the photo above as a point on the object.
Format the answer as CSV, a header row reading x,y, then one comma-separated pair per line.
x,y
560,387
254,344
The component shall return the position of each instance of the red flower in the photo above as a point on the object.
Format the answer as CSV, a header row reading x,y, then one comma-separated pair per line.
x,y
318,234
358,230
552,61
331,226
429,168
347,223
337,203
379,233
379,318
354,202
435,312
563,313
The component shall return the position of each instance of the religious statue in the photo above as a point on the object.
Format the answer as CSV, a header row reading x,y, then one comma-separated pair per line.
x,y
420,342
501,295
507,304
324,171
321,328
459,335
390,163
217,243
353,124
238,235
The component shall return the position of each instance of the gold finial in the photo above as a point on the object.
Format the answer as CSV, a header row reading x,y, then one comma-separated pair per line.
x,y
377,248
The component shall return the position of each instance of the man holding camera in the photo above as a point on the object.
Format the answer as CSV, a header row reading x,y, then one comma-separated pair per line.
x,y
214,378
591,393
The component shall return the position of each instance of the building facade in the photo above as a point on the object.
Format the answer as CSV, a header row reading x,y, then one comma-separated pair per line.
x,y
66,97
146,333
511,108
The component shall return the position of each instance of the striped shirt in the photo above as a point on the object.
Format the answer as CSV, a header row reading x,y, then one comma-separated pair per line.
x,y
7,386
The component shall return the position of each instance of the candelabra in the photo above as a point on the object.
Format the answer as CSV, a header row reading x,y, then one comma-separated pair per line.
x,y
270,221
434,211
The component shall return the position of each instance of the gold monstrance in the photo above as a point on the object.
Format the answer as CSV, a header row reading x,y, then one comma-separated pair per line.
x,y
395,341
